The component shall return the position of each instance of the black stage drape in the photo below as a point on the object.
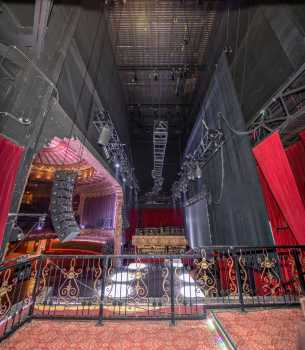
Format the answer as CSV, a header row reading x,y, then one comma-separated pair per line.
x,y
237,212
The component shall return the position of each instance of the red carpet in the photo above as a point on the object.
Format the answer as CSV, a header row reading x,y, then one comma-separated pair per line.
x,y
262,330
124,335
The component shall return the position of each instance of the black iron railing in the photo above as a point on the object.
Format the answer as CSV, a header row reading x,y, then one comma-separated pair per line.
x,y
162,287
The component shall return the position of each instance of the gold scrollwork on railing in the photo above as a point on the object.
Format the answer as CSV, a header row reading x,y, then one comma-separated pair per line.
x,y
271,283
30,287
204,275
69,288
165,285
5,289
138,288
244,276
294,287
232,276
34,278
97,270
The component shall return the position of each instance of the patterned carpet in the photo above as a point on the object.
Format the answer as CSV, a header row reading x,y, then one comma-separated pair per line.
x,y
137,335
263,330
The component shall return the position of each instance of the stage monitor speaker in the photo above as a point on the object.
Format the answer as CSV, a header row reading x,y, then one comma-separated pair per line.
x,y
61,208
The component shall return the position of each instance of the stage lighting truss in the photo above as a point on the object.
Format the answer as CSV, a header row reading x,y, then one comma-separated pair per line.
x,y
211,141
284,111
114,150
160,135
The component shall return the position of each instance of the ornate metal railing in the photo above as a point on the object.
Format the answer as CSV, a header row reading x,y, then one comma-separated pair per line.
x,y
163,287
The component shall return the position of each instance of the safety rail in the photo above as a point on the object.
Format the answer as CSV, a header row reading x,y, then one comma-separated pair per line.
x,y
158,287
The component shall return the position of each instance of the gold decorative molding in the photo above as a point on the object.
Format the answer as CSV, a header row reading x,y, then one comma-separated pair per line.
x,y
159,242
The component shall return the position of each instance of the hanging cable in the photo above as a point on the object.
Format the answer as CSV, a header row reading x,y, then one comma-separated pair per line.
x,y
237,132
95,76
236,42
219,199
245,61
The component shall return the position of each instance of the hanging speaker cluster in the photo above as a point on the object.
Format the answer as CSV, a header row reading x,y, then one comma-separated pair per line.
x,y
61,208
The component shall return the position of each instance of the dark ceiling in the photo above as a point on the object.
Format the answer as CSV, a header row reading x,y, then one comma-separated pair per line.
x,y
160,49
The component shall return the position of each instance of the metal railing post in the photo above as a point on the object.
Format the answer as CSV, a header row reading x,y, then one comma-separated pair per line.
x,y
239,281
103,283
36,285
299,270
172,289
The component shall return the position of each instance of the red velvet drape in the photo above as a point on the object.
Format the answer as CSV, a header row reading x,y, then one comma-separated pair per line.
x,y
282,233
152,217
274,164
302,137
157,217
296,156
10,156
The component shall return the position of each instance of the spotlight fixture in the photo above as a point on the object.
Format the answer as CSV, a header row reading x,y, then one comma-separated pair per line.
x,y
155,76
198,172
25,121
112,147
41,222
134,79
172,75
106,152
105,135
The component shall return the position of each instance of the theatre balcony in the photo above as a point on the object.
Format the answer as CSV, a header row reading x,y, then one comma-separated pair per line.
x,y
152,175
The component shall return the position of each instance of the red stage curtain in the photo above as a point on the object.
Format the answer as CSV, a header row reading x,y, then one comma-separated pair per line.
x,y
282,233
296,156
10,156
152,217
158,217
272,160
302,137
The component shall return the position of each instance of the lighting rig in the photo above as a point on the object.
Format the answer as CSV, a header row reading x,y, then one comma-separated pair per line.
x,y
191,169
18,233
160,135
113,149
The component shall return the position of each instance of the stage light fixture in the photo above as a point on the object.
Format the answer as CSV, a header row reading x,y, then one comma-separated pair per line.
x,y
198,172
117,165
177,263
121,277
105,135
187,278
155,76
191,292
136,266
106,152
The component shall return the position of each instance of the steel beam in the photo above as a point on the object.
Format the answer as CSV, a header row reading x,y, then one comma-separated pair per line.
x,y
164,67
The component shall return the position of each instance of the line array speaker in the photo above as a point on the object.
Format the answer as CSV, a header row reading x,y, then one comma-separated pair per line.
x,y
61,208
